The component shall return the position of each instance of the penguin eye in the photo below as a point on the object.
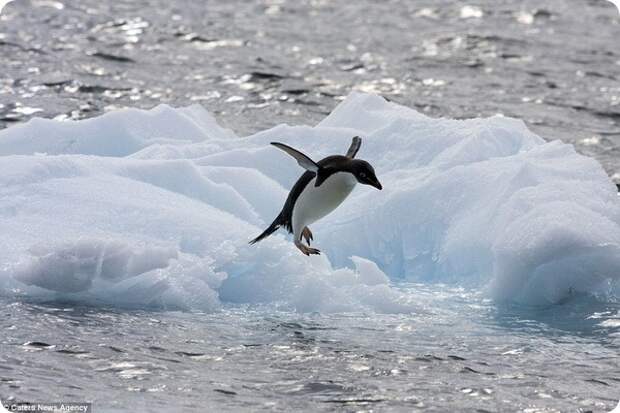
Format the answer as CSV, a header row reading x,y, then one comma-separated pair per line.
x,y
362,175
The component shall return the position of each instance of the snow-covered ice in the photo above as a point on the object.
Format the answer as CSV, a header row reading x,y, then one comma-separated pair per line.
x,y
157,207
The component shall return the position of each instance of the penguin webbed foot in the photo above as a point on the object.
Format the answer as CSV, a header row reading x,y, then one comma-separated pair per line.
x,y
311,251
307,234
307,250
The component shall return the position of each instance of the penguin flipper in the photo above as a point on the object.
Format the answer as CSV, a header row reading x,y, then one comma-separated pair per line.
x,y
303,160
356,142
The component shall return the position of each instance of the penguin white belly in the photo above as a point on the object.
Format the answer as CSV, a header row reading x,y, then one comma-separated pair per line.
x,y
314,203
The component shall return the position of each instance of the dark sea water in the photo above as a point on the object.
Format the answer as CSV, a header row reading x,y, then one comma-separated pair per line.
x,y
255,64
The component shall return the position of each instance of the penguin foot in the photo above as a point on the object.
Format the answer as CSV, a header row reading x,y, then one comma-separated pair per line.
x,y
307,250
311,251
307,234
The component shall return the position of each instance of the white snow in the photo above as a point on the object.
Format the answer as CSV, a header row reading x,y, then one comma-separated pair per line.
x,y
138,208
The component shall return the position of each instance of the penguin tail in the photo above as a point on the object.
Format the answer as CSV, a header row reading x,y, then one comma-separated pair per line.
x,y
270,230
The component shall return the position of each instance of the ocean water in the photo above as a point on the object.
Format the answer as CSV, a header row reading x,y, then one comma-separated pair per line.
x,y
255,64
460,352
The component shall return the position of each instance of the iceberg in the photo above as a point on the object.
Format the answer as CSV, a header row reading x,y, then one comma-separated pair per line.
x,y
156,208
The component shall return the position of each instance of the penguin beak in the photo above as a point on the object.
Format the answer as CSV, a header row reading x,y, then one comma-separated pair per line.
x,y
377,184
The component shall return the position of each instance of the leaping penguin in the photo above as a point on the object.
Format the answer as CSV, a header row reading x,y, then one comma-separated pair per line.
x,y
319,191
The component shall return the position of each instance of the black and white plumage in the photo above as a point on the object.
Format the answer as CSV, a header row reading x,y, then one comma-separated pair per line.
x,y
319,191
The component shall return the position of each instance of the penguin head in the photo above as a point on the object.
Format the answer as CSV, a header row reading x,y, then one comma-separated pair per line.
x,y
365,173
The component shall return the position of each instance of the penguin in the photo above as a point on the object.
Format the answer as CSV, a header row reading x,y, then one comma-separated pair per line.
x,y
319,191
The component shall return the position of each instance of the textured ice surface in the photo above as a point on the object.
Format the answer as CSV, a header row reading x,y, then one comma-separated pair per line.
x,y
156,208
